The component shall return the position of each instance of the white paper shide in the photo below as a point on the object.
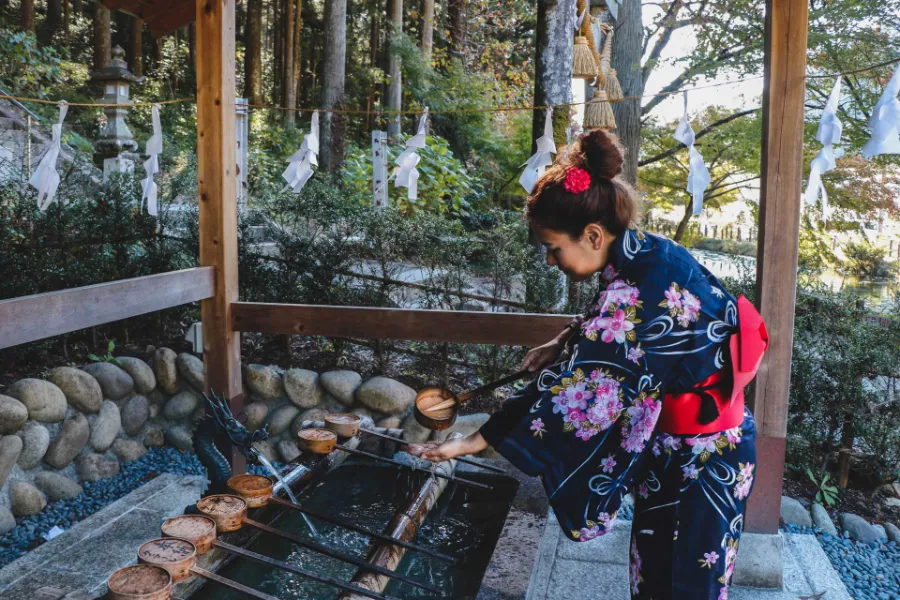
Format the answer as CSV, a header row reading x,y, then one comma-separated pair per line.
x,y
405,173
698,174
45,178
301,162
541,159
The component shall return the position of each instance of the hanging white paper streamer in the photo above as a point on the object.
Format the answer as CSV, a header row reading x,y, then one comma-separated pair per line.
x,y
301,162
540,160
613,8
405,173
151,165
698,174
828,134
579,19
885,122
45,179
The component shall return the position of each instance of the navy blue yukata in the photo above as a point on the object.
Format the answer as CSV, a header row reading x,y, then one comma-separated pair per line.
x,y
660,324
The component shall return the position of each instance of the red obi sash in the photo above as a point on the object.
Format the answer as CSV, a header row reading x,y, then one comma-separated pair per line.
x,y
680,412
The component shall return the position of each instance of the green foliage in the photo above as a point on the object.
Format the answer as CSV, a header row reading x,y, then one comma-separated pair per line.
x,y
867,262
445,184
26,67
826,494
108,357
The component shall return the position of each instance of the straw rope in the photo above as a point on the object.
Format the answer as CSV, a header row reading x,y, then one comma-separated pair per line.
x,y
375,111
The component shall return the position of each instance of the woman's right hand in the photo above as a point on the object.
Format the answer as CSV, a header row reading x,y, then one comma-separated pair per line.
x,y
542,356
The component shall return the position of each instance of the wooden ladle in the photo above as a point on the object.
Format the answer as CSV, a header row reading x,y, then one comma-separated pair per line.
x,y
436,408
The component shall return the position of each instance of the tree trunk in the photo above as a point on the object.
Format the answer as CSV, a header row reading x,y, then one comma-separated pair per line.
x,y
298,37
278,29
288,89
685,219
458,15
253,50
626,60
136,47
28,15
54,15
67,21
192,47
553,66
427,28
101,37
395,91
333,73
77,6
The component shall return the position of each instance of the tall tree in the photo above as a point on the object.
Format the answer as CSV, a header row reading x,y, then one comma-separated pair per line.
x,y
253,52
626,53
67,20
458,15
102,37
395,90
54,15
289,89
334,68
427,27
28,15
298,46
553,65
136,47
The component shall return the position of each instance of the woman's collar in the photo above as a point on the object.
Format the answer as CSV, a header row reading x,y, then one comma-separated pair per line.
x,y
624,248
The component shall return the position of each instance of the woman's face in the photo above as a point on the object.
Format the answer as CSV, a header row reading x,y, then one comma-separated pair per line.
x,y
581,258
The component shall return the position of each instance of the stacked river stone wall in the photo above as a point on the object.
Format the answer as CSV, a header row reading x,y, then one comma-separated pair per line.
x,y
79,424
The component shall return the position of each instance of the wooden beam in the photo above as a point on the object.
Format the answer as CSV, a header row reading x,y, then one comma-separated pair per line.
x,y
216,175
41,316
779,228
453,326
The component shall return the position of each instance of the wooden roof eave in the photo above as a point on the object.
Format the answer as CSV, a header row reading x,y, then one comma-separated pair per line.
x,y
161,16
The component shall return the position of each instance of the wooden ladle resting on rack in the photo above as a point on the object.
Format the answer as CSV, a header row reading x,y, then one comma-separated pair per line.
x,y
436,408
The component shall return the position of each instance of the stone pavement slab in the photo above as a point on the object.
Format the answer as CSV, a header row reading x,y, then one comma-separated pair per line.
x,y
599,569
82,558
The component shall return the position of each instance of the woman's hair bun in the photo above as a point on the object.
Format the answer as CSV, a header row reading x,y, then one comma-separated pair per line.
x,y
602,153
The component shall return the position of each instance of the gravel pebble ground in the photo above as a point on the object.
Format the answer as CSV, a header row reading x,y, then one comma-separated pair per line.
x,y
870,571
96,495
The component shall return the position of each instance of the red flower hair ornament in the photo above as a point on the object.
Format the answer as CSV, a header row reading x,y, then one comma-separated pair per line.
x,y
577,180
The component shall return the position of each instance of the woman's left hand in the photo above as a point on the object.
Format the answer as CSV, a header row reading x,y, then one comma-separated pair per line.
x,y
439,452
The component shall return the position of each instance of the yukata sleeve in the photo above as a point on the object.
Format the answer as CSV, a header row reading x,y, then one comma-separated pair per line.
x,y
585,428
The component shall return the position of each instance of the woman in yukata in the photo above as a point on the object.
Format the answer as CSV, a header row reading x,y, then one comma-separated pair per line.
x,y
643,392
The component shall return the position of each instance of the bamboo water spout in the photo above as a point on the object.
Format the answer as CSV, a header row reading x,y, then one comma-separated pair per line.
x,y
404,526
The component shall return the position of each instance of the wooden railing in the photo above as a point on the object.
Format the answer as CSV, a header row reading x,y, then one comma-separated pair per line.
x,y
32,318
466,327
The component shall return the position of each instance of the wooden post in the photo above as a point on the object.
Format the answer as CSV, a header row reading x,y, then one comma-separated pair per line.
x,y
218,198
779,228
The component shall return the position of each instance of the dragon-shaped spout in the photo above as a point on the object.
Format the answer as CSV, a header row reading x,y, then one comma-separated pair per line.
x,y
219,420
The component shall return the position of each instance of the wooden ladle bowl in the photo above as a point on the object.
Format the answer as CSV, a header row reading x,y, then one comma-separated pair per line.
x,y
437,408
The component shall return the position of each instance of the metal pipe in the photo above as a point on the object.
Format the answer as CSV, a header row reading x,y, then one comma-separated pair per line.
x,y
359,562
435,473
364,530
457,459
260,558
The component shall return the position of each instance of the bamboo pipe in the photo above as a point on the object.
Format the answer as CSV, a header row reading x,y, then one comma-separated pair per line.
x,y
405,526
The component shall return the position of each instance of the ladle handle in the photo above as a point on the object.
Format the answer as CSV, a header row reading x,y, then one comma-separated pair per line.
x,y
493,386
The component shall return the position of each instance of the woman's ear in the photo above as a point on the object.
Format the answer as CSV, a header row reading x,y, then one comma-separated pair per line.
x,y
594,234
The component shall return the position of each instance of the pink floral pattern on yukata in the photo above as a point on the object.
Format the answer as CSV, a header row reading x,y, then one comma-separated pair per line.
x,y
640,420
614,316
595,529
634,568
744,480
682,305
592,404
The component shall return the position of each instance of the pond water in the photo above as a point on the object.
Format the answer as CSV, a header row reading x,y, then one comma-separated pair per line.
x,y
875,293
369,496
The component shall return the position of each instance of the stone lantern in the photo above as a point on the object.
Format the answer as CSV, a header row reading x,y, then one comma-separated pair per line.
x,y
116,148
